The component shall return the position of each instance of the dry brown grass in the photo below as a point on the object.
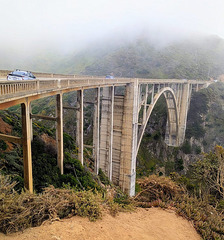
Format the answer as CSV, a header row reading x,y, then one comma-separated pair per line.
x,y
163,192
156,191
19,211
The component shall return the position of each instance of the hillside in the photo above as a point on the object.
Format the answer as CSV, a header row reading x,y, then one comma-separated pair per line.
x,y
200,58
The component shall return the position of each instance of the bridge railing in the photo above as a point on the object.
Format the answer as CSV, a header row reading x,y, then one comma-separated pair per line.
x,y
13,88
9,89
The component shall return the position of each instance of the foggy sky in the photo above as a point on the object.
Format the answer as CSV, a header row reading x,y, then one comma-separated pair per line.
x,y
69,24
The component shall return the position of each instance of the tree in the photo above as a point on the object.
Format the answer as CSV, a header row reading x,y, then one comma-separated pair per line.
x,y
209,173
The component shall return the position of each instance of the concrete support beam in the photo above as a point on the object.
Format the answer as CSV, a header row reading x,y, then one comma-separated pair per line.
x,y
88,146
79,129
11,138
59,131
69,108
26,140
96,130
37,116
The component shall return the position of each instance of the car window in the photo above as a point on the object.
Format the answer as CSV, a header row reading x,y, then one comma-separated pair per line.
x,y
20,73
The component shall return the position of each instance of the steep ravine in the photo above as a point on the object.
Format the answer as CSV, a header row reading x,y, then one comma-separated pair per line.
x,y
205,129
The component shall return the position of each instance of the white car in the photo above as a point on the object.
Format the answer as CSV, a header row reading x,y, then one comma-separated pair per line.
x,y
20,75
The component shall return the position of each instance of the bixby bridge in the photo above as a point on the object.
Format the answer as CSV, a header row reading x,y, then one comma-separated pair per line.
x,y
122,108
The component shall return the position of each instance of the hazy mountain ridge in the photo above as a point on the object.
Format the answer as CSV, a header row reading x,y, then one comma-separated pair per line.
x,y
199,58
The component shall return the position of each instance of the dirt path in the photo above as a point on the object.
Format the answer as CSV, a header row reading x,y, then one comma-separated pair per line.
x,y
151,224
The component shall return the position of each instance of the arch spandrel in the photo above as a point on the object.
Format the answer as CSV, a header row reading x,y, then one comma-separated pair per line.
x,y
171,137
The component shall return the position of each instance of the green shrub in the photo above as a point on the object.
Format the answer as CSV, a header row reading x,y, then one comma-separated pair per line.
x,y
197,149
103,178
186,147
3,145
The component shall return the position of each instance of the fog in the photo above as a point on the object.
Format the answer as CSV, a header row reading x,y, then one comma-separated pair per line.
x,y
28,26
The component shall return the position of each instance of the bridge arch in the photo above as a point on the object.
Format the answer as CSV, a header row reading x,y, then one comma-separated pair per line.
x,y
171,137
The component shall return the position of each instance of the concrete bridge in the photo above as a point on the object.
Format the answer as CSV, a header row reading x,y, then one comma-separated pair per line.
x,y
122,108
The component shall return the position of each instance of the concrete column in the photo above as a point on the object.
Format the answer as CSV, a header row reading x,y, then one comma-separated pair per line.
x,y
129,139
180,91
79,129
111,133
152,97
59,131
145,104
139,96
31,124
184,105
26,140
106,130
96,130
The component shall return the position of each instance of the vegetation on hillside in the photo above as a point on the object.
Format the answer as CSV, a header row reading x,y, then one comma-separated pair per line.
x,y
206,116
189,59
